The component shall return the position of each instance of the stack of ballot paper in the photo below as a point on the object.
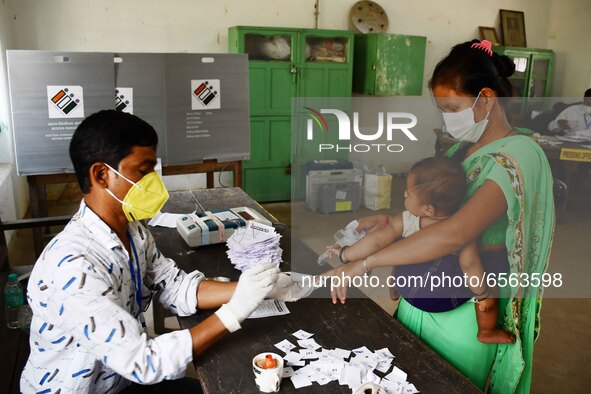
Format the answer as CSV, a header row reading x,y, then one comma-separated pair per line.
x,y
351,368
253,245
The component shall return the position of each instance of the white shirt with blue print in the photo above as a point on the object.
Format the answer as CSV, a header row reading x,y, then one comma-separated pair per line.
x,y
88,333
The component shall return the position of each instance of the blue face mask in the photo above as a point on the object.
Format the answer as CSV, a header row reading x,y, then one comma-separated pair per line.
x,y
461,125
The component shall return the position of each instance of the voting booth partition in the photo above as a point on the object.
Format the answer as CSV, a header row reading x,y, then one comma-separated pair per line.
x,y
198,103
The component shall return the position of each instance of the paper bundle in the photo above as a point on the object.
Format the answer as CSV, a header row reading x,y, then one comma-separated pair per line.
x,y
253,245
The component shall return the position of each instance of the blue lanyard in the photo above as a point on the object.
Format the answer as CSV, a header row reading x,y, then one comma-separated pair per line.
x,y
587,125
136,276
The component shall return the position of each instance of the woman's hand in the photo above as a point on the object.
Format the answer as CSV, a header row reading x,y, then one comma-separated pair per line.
x,y
341,277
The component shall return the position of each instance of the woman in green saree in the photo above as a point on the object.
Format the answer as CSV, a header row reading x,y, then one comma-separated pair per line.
x,y
509,208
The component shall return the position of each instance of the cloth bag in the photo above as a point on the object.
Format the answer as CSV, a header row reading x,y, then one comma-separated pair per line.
x,y
377,191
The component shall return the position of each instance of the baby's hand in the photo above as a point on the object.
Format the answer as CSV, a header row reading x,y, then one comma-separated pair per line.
x,y
333,250
486,304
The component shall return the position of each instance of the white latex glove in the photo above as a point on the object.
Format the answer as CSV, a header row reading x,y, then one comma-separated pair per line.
x,y
291,286
252,288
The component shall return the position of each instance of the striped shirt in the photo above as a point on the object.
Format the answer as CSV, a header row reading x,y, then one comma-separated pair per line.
x,y
88,295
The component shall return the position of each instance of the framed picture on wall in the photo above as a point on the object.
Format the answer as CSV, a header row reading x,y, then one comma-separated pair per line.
x,y
490,34
513,28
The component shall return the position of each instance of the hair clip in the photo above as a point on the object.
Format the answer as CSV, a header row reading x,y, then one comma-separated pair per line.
x,y
483,45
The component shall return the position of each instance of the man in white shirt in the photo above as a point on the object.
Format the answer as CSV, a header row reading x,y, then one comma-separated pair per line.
x,y
92,283
575,117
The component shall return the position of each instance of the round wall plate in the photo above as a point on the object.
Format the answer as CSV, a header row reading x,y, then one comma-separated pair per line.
x,y
369,17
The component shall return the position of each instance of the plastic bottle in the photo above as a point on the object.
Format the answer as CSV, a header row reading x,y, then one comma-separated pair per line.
x,y
14,300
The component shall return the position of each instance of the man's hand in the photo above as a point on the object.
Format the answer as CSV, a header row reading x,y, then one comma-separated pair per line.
x,y
563,124
253,286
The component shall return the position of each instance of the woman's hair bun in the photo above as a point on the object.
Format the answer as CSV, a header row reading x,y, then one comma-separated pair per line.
x,y
504,65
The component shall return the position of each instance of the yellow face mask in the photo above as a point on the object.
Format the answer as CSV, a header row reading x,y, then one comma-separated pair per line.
x,y
144,199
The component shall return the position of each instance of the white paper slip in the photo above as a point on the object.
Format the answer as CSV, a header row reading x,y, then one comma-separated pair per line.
x,y
384,365
322,379
301,334
410,389
352,376
362,351
308,354
372,378
285,346
300,381
269,308
299,363
384,353
391,387
165,219
292,357
340,353
397,375
309,344
288,372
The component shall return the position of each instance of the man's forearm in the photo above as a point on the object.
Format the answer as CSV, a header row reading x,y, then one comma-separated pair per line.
x,y
206,334
212,294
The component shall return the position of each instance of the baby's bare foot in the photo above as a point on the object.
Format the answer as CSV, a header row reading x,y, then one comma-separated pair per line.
x,y
495,336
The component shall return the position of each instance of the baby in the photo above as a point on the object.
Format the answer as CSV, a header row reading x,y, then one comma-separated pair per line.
x,y
435,188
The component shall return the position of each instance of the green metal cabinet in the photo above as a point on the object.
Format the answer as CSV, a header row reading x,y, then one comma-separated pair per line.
x,y
533,70
285,64
389,64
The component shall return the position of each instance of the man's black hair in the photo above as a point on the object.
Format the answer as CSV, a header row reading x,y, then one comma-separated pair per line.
x,y
107,137
587,93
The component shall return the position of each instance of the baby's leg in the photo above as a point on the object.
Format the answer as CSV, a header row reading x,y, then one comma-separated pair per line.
x,y
487,313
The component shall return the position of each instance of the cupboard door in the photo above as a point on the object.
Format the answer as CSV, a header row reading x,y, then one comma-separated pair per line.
x,y
540,84
265,175
271,54
400,61
272,87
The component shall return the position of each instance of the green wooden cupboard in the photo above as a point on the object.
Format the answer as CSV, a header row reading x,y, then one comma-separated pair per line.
x,y
533,70
286,64
389,64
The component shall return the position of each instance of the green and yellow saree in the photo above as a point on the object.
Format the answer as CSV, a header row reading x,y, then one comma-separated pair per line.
x,y
520,168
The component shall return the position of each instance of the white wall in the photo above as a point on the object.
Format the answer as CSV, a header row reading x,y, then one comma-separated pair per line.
x,y
569,35
201,25
6,155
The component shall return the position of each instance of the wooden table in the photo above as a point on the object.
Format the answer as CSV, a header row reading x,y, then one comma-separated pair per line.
x,y
226,367
14,349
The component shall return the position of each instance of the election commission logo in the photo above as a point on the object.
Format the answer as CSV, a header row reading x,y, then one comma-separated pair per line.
x,y
65,102
205,94
124,100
